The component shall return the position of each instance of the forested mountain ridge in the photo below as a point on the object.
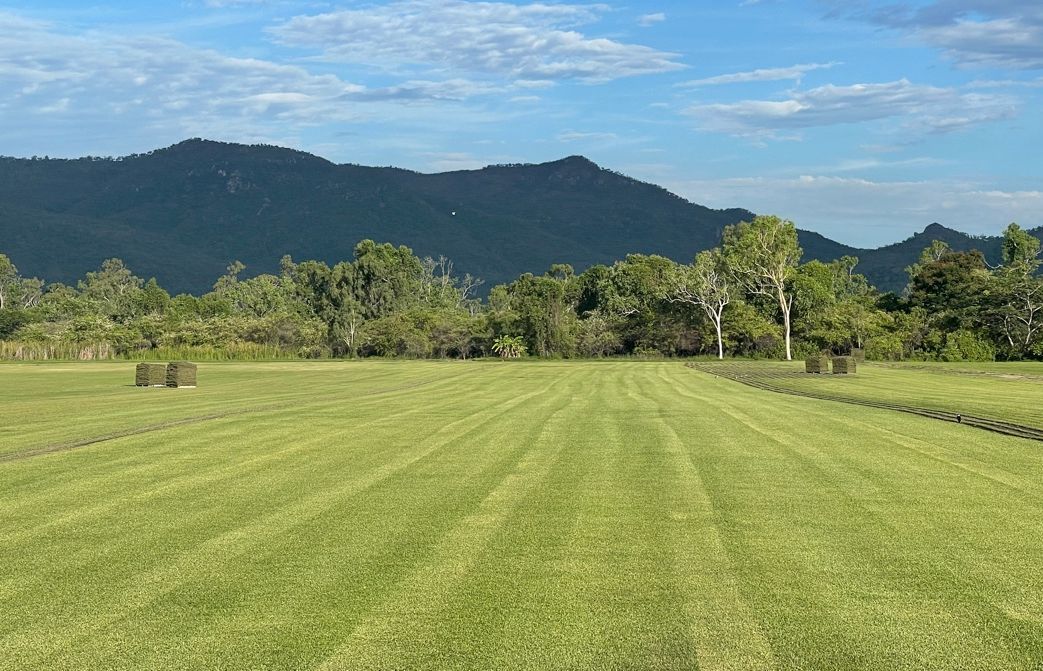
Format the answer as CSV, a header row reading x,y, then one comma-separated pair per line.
x,y
183,213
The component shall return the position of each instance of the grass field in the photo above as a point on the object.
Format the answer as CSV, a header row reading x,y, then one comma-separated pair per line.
x,y
529,515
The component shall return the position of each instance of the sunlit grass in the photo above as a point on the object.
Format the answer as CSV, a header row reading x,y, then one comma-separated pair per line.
x,y
487,515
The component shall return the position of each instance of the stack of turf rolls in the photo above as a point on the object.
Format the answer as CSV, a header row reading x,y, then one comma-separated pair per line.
x,y
858,354
181,374
150,375
843,364
818,363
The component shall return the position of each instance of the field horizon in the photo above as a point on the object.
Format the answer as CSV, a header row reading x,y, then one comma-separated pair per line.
x,y
524,514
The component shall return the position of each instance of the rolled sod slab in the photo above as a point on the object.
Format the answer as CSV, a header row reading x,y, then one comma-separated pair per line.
x,y
150,375
844,365
181,374
816,364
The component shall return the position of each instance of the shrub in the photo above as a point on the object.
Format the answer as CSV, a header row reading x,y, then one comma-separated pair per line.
x,y
964,345
885,347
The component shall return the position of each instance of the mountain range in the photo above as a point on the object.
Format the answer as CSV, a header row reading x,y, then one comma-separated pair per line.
x,y
183,213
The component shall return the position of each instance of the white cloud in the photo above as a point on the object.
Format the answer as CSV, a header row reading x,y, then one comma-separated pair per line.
x,y
220,4
651,19
66,88
996,33
922,108
100,74
576,136
1013,43
793,72
868,213
453,161
514,42
419,90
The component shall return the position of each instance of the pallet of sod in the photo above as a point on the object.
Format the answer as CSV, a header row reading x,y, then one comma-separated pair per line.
x,y
843,365
181,374
150,375
858,354
816,364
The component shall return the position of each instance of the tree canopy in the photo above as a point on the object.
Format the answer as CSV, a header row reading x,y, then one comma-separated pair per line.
x,y
749,297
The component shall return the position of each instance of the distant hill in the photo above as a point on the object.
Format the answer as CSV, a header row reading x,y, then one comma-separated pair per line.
x,y
183,213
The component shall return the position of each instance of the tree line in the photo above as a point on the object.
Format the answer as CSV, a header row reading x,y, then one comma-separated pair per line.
x,y
750,296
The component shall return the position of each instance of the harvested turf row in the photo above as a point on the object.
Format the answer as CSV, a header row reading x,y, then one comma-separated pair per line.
x,y
761,380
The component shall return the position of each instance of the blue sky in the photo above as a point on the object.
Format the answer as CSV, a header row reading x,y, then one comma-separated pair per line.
x,y
860,119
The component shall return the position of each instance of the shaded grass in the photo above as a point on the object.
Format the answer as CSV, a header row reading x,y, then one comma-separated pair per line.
x,y
617,515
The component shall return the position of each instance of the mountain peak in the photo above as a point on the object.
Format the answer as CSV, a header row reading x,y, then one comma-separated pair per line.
x,y
578,160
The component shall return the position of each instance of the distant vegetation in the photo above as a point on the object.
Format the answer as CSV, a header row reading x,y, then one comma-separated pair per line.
x,y
180,214
750,297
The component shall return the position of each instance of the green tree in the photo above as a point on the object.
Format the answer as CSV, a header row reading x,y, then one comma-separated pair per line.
x,y
440,288
112,290
385,278
834,307
762,256
931,253
17,292
231,277
544,308
705,284
1020,247
1016,292
8,281
950,289
598,335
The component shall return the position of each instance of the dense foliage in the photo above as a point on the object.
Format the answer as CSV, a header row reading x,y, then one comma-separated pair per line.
x,y
750,297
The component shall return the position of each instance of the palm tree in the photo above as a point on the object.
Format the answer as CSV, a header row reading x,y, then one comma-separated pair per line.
x,y
509,347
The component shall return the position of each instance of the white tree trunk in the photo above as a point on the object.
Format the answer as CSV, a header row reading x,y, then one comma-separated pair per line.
x,y
786,306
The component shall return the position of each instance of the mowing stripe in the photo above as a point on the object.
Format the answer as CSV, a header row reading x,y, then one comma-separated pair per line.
x,y
149,428
378,642
727,633
198,561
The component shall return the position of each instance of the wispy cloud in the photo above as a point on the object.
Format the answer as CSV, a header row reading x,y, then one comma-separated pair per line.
x,y
576,136
452,161
100,73
74,86
514,42
921,108
647,20
1015,43
793,72
996,33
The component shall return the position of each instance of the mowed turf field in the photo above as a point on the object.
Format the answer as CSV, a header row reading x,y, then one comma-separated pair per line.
x,y
521,515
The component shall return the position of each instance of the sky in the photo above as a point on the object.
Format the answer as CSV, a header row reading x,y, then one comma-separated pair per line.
x,y
864,120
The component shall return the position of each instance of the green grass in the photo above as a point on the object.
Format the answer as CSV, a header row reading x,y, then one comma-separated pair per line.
x,y
1010,392
486,515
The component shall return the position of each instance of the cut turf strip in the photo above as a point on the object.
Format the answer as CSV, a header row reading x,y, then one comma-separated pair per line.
x,y
751,375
